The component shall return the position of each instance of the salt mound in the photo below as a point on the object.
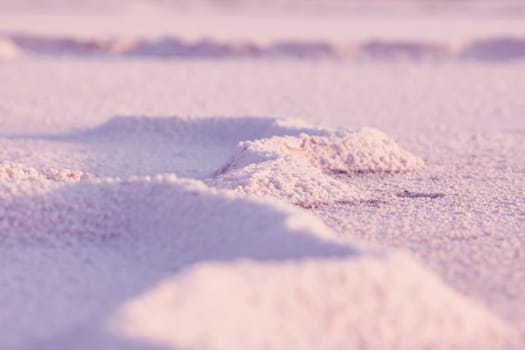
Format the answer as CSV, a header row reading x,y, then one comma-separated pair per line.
x,y
361,303
160,205
360,152
290,179
299,168
95,243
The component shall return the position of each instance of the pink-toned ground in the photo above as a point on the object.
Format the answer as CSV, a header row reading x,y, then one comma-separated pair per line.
x,y
183,198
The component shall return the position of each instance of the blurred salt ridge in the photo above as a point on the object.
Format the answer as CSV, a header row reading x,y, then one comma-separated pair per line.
x,y
502,48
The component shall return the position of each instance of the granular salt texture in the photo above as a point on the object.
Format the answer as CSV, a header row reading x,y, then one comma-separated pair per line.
x,y
314,292
366,151
48,211
95,243
367,302
17,172
352,152
290,179
300,168
99,209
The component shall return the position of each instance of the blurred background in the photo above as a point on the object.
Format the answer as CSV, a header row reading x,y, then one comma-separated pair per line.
x,y
333,7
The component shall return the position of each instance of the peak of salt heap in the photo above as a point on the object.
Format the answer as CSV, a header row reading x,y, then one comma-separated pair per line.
x,y
300,168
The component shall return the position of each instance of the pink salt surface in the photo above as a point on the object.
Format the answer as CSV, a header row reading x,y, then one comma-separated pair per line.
x,y
155,260
151,204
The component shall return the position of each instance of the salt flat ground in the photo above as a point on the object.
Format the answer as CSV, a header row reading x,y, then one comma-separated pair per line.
x,y
88,251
